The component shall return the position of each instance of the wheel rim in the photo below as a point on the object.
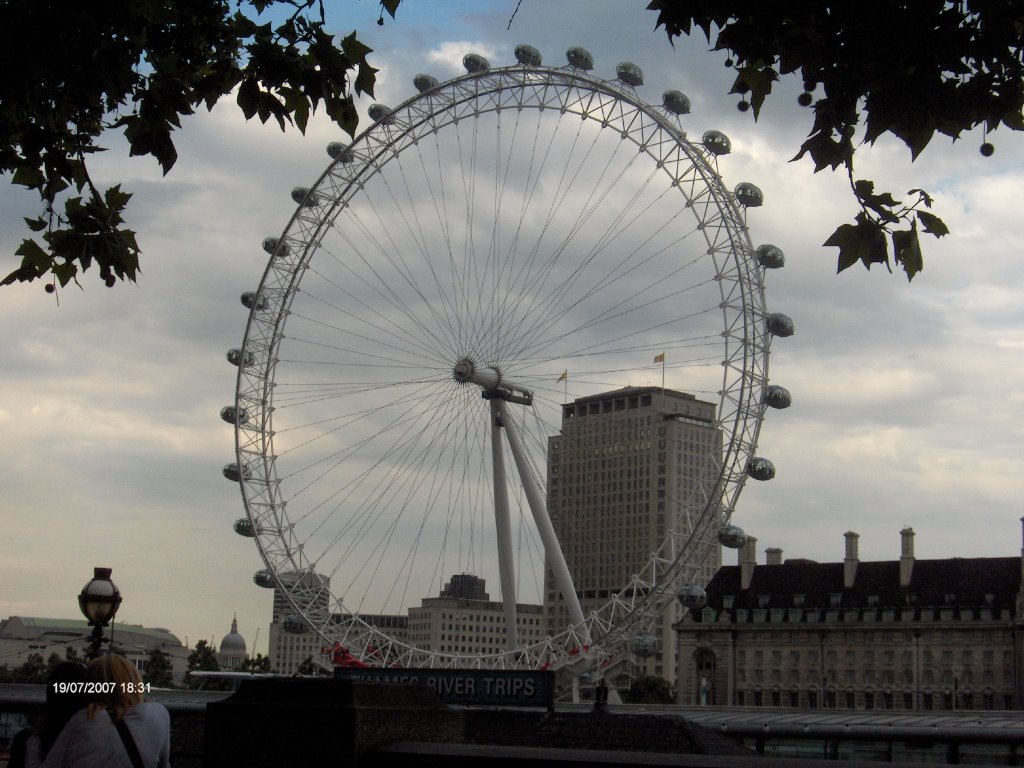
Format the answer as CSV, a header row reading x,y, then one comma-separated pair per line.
x,y
385,439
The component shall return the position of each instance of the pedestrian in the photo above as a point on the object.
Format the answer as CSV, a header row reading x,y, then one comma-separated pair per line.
x,y
116,730
64,697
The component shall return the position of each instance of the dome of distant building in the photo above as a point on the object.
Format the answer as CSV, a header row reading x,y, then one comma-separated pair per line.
x,y
232,648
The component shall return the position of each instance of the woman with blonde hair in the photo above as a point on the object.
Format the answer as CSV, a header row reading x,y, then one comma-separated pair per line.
x,y
116,730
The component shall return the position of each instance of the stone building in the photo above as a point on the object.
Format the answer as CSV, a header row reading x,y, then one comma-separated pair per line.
x,y
232,652
464,620
629,466
21,636
905,634
292,642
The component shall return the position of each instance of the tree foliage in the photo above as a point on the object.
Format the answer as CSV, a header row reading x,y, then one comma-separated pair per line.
x,y
649,689
75,71
159,669
202,658
257,663
910,69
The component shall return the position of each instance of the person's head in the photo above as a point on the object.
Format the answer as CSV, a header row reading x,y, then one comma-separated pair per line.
x,y
61,705
119,685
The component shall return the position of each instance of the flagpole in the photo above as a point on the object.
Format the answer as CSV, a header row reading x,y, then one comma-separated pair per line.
x,y
660,358
662,384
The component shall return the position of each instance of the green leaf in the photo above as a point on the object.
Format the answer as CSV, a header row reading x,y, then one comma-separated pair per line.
x,y
907,250
881,204
845,239
864,242
825,151
248,97
758,81
65,272
922,196
34,257
391,6
28,176
932,224
116,199
36,225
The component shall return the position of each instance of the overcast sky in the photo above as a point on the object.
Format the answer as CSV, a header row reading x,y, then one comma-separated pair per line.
x,y
907,398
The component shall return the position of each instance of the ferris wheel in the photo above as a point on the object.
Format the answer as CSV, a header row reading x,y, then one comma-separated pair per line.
x,y
492,249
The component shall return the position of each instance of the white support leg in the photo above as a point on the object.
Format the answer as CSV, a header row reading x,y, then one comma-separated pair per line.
x,y
547,531
503,524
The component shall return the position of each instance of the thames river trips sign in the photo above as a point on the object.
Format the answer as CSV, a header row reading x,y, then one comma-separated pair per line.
x,y
514,688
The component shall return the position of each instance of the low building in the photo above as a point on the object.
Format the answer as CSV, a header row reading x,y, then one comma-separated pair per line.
x,y
293,643
22,636
463,620
904,634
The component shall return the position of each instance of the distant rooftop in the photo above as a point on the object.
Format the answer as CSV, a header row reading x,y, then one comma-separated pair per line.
x,y
11,627
967,582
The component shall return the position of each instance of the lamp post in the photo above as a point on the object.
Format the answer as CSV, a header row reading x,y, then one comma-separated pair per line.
x,y
99,601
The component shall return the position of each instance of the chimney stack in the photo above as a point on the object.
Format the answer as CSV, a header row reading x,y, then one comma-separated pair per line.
x,y
748,560
851,560
774,555
906,555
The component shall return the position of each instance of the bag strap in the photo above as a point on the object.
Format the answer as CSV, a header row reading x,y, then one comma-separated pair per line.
x,y
129,743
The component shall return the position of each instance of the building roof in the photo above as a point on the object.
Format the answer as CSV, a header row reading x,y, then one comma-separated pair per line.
x,y
233,643
629,391
965,582
10,628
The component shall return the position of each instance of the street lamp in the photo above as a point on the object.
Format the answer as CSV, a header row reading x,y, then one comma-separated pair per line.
x,y
99,601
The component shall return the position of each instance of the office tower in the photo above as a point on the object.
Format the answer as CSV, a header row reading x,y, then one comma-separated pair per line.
x,y
628,467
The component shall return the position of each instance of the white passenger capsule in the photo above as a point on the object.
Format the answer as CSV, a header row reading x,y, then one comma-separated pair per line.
x,y
676,102
780,325
630,74
239,358
474,63
339,151
274,246
235,474
378,112
732,536
424,83
716,142
263,578
748,195
692,597
528,56
760,469
579,58
643,646
243,527
234,415
254,300
770,256
305,197
777,397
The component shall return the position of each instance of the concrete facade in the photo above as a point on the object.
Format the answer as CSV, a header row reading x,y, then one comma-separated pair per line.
x,y
292,642
464,620
625,469
21,636
905,634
